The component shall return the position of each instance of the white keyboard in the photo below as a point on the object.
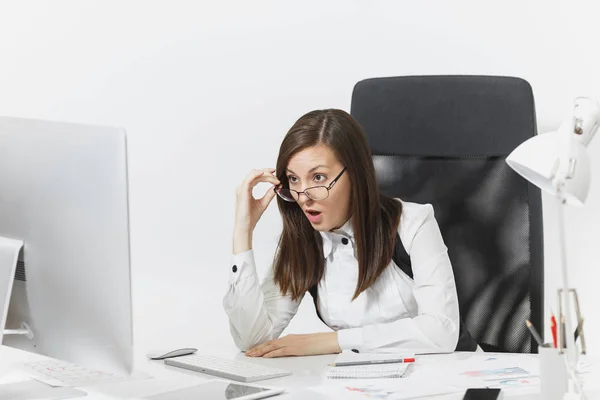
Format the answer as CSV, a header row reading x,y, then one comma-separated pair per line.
x,y
62,373
235,370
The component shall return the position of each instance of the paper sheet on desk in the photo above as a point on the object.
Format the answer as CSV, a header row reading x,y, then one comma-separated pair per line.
x,y
510,372
389,389
412,386
504,371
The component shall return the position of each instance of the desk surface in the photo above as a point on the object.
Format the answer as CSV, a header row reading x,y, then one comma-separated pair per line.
x,y
307,372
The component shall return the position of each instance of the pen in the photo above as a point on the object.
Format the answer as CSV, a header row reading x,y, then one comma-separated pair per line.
x,y
534,333
578,329
553,330
563,329
372,362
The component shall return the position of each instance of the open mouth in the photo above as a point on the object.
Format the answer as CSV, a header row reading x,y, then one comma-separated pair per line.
x,y
314,216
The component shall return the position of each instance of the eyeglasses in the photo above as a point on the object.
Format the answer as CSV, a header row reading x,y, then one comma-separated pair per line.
x,y
313,193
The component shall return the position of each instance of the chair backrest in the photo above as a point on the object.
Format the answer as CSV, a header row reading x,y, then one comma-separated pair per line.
x,y
443,140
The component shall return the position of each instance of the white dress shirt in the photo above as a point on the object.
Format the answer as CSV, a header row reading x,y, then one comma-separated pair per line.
x,y
395,313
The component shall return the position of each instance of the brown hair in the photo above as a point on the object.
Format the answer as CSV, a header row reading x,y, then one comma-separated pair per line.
x,y
299,262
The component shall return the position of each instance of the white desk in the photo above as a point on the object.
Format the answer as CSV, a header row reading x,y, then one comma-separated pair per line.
x,y
307,372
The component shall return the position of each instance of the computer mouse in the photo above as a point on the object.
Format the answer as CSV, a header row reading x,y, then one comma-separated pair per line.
x,y
162,354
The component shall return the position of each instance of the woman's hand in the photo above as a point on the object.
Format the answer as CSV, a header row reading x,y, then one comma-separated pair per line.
x,y
248,209
298,345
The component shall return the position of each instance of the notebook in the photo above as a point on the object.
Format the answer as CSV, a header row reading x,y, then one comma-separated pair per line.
x,y
382,371
349,356
391,370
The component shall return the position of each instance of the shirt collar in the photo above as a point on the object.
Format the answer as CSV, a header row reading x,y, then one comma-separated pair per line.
x,y
345,230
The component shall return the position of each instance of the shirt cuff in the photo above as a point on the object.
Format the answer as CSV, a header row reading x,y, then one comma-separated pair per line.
x,y
242,266
350,339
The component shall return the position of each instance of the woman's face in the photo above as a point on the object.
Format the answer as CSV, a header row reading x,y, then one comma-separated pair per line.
x,y
318,166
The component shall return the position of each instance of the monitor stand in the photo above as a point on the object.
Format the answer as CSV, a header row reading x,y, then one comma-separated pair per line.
x,y
9,255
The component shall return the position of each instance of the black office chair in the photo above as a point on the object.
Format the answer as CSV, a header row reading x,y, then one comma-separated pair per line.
x,y
443,140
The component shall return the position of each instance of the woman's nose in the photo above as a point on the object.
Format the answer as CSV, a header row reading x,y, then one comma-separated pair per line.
x,y
304,199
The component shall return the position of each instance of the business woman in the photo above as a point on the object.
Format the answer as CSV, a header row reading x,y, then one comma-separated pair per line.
x,y
338,233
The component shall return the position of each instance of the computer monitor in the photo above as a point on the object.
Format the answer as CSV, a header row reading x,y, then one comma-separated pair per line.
x,y
64,194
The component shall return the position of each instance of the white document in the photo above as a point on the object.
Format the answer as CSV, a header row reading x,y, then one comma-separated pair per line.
x,y
513,373
508,371
388,389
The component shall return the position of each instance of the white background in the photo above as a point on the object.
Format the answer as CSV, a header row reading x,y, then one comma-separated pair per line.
x,y
206,91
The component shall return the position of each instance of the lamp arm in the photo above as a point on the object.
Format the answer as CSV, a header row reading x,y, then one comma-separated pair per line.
x,y
566,162
566,299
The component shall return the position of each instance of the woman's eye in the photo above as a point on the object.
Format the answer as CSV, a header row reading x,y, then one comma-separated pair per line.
x,y
292,179
320,178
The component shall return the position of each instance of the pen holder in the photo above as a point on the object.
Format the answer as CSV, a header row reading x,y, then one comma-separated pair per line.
x,y
553,373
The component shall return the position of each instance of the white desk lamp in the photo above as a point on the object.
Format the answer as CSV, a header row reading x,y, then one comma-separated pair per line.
x,y
559,164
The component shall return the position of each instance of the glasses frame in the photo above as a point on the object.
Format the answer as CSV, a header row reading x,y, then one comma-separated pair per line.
x,y
328,187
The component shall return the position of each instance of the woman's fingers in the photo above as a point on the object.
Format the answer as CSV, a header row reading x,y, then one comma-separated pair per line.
x,y
265,177
282,352
255,173
261,175
267,198
255,349
264,348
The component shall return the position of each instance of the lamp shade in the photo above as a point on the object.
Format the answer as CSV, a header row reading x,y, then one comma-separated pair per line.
x,y
537,160
560,159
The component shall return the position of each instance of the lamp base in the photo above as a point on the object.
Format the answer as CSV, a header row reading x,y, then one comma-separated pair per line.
x,y
574,389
